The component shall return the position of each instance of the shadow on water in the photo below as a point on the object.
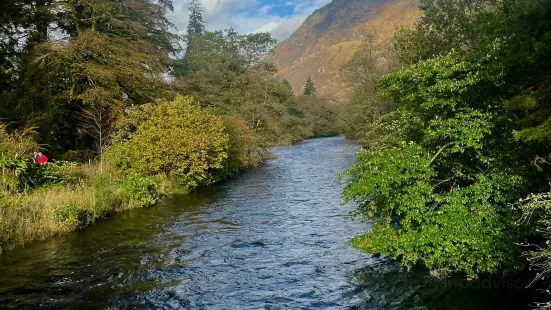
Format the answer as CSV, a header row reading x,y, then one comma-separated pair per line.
x,y
274,237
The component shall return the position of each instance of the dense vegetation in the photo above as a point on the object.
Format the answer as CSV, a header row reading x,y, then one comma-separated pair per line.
x,y
129,111
455,168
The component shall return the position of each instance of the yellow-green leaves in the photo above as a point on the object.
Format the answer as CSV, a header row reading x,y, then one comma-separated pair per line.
x,y
176,139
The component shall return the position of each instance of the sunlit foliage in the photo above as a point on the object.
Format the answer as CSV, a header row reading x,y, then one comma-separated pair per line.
x,y
441,174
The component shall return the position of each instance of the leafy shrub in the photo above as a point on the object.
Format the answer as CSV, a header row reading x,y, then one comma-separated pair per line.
x,y
52,173
16,148
17,144
176,139
140,191
243,144
12,171
171,186
72,216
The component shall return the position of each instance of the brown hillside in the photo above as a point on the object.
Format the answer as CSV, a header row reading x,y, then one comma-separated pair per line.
x,y
331,36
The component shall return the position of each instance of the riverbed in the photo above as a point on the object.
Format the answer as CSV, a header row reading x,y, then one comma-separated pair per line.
x,y
275,237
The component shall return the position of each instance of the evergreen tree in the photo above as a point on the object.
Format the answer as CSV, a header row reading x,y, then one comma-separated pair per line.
x,y
309,88
106,61
196,25
194,40
287,85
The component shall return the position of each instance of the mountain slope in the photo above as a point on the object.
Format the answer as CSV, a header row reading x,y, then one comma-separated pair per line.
x,y
331,36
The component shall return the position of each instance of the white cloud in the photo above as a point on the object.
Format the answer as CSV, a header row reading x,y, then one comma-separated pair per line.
x,y
248,16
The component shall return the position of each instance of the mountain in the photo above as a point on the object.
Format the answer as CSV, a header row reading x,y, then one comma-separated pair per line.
x,y
330,37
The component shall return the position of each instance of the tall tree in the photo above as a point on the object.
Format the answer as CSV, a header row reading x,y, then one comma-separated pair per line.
x,y
23,25
196,25
194,41
112,55
309,88
446,25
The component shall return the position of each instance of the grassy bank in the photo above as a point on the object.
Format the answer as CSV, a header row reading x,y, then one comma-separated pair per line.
x,y
155,150
74,197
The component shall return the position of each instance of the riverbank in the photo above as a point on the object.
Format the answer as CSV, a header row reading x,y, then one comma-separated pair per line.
x,y
155,150
75,196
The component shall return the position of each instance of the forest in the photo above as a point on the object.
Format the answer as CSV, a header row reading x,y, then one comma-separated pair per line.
x,y
129,111
454,116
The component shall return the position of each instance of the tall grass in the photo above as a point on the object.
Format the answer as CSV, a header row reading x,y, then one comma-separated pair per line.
x,y
67,206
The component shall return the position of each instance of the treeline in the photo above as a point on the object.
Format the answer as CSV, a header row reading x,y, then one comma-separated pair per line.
x,y
129,111
455,121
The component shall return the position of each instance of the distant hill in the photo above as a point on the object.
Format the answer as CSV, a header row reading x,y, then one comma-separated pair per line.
x,y
330,37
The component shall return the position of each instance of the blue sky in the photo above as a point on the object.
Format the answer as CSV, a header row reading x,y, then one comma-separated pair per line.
x,y
280,17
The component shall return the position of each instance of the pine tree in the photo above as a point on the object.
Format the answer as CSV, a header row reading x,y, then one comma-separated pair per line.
x,y
196,25
309,88
195,32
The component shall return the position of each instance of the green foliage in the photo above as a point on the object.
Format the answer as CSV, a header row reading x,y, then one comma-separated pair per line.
x,y
16,150
110,55
176,139
463,228
244,149
321,118
72,216
222,70
366,107
309,87
18,144
287,85
140,191
441,174
445,26
196,25
12,172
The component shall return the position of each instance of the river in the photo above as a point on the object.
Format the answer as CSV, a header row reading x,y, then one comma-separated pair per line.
x,y
274,237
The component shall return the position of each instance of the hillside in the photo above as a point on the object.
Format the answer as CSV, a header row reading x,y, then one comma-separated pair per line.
x,y
331,35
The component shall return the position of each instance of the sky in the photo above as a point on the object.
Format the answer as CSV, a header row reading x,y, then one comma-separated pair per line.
x,y
279,17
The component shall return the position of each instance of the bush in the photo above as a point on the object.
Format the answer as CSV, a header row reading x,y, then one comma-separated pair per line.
x,y
17,144
12,171
176,139
140,191
52,173
72,216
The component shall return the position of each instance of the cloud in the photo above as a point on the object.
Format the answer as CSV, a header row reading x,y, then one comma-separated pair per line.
x,y
277,17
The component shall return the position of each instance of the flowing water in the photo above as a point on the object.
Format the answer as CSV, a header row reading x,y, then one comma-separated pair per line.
x,y
275,237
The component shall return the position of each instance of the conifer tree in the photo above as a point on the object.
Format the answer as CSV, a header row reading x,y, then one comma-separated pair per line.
x,y
309,88
196,25
195,44
107,62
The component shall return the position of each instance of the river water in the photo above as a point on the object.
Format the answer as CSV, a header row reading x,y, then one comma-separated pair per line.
x,y
275,237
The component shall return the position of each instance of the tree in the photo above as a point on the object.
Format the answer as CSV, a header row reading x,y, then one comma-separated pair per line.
x,y
287,85
446,25
194,39
23,25
442,177
98,121
114,55
366,107
254,47
196,25
309,88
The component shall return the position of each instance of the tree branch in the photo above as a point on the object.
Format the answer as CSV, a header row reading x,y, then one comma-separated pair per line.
x,y
447,145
